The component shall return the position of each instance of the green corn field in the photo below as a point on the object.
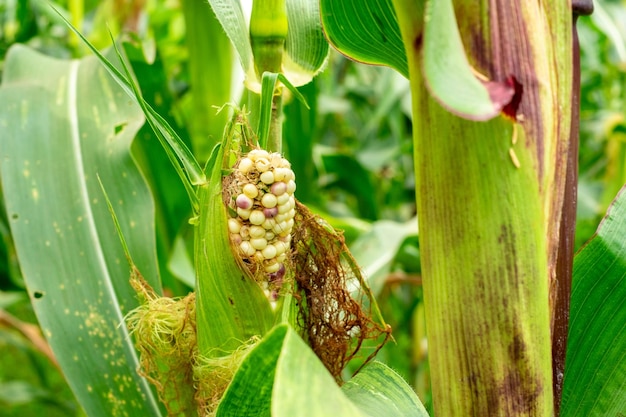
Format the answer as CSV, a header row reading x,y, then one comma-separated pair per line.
x,y
312,208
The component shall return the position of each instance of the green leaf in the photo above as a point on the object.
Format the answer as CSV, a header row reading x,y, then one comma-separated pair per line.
x,y
230,15
306,49
595,373
378,391
375,250
283,377
366,31
268,87
210,59
64,123
448,74
181,157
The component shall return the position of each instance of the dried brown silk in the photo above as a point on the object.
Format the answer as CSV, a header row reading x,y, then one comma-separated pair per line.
x,y
335,323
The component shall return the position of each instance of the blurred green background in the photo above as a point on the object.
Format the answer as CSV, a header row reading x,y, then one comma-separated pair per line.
x,y
352,154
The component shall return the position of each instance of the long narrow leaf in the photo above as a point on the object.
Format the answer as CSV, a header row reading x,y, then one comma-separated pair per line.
x,y
595,373
192,173
365,31
63,124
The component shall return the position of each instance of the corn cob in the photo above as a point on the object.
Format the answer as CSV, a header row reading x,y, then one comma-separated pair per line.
x,y
262,202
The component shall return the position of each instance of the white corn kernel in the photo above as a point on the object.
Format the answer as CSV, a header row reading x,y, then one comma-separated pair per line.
x,y
269,200
246,248
267,177
257,217
284,208
282,199
269,252
279,174
244,213
255,154
258,243
234,226
269,224
245,165
272,267
250,190
262,164
257,231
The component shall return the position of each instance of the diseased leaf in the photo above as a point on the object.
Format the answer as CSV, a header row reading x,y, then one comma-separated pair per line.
x,y
63,124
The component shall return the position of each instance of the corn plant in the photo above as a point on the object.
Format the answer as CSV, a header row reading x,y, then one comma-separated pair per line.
x,y
496,163
272,325
261,296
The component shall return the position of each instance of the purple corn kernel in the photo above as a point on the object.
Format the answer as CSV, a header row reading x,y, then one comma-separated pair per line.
x,y
270,212
278,188
243,202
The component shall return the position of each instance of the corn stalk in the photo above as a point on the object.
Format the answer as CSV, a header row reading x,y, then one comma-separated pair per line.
x,y
490,197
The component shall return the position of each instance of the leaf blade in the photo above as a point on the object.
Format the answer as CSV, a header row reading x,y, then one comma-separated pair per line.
x,y
72,261
595,373
366,32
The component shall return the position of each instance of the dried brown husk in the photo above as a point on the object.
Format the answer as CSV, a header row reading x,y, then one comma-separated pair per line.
x,y
334,321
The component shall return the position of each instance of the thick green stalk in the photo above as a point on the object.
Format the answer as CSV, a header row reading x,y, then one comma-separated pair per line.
x,y
210,59
489,199
268,31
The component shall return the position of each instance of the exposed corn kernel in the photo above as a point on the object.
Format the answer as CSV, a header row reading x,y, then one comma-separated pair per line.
x,y
262,164
269,200
234,226
269,252
245,165
257,217
267,177
251,191
272,267
258,243
283,198
243,201
263,187
244,213
246,248
257,231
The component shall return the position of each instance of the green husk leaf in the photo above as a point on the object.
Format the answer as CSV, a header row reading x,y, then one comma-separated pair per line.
x,y
232,307
207,43
595,372
267,95
306,49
